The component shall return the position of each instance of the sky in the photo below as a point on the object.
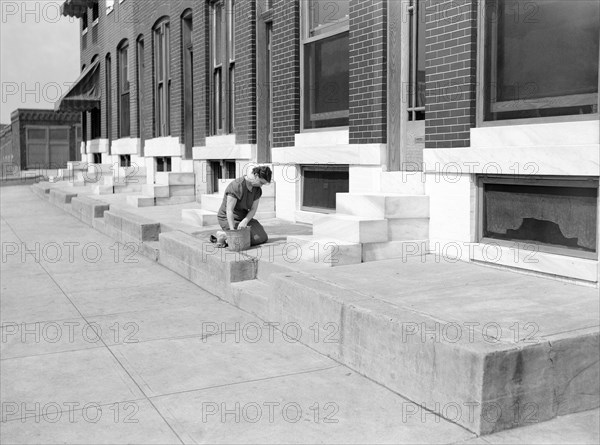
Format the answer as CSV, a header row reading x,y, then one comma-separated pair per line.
x,y
39,54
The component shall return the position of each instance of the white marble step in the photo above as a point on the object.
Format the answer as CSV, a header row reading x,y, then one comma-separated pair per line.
x,y
100,189
140,201
213,203
408,229
354,229
383,205
128,188
156,191
320,251
172,178
395,249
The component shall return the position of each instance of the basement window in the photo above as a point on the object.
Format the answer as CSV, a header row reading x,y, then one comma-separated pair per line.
x,y
320,183
97,158
163,164
555,215
125,160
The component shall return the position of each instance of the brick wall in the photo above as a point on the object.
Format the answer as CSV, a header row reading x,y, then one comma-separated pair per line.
x,y
450,72
368,71
245,72
200,40
286,72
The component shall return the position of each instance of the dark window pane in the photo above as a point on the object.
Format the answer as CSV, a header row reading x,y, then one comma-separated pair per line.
x,y
218,34
554,216
326,80
542,58
320,185
327,15
59,134
36,134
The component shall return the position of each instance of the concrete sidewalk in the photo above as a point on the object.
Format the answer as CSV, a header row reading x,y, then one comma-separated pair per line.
x,y
102,345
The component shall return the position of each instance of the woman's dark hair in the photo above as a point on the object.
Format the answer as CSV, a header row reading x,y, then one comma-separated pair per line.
x,y
263,172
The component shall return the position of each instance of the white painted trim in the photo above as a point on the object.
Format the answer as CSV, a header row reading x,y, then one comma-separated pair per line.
x,y
163,146
583,160
558,134
328,137
355,154
547,263
126,146
239,151
97,146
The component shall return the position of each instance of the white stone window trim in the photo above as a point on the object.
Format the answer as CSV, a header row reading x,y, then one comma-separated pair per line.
x,y
110,6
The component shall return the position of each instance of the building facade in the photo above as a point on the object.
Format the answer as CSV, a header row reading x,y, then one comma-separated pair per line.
x,y
39,140
488,107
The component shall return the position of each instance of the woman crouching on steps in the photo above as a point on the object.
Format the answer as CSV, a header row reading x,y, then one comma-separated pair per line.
x,y
240,203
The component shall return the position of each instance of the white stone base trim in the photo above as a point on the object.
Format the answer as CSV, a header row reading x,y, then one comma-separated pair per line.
x,y
557,134
547,263
355,154
235,151
164,146
97,146
327,137
581,160
126,146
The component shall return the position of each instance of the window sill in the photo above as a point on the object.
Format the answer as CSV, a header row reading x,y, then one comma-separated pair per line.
x,y
541,120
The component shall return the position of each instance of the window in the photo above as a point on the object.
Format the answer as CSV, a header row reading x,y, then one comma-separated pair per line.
x,y
325,44
141,67
541,58
47,147
187,53
95,12
84,22
124,160
163,164
222,36
554,215
416,74
320,183
95,124
110,4
162,79
108,89
123,91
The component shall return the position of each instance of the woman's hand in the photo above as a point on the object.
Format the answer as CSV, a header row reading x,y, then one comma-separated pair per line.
x,y
243,223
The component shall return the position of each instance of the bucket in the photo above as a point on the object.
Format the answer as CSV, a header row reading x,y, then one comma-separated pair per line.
x,y
238,240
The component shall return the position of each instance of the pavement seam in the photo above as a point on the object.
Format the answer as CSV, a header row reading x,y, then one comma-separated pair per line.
x,y
225,385
104,343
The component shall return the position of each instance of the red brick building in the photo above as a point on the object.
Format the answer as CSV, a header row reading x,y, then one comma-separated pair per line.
x,y
489,108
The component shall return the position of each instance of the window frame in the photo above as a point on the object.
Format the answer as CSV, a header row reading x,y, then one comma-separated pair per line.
x,y
222,92
339,27
123,88
162,86
482,30
541,180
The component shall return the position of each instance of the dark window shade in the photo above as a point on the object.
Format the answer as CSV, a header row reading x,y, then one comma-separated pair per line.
x,y
320,185
547,215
